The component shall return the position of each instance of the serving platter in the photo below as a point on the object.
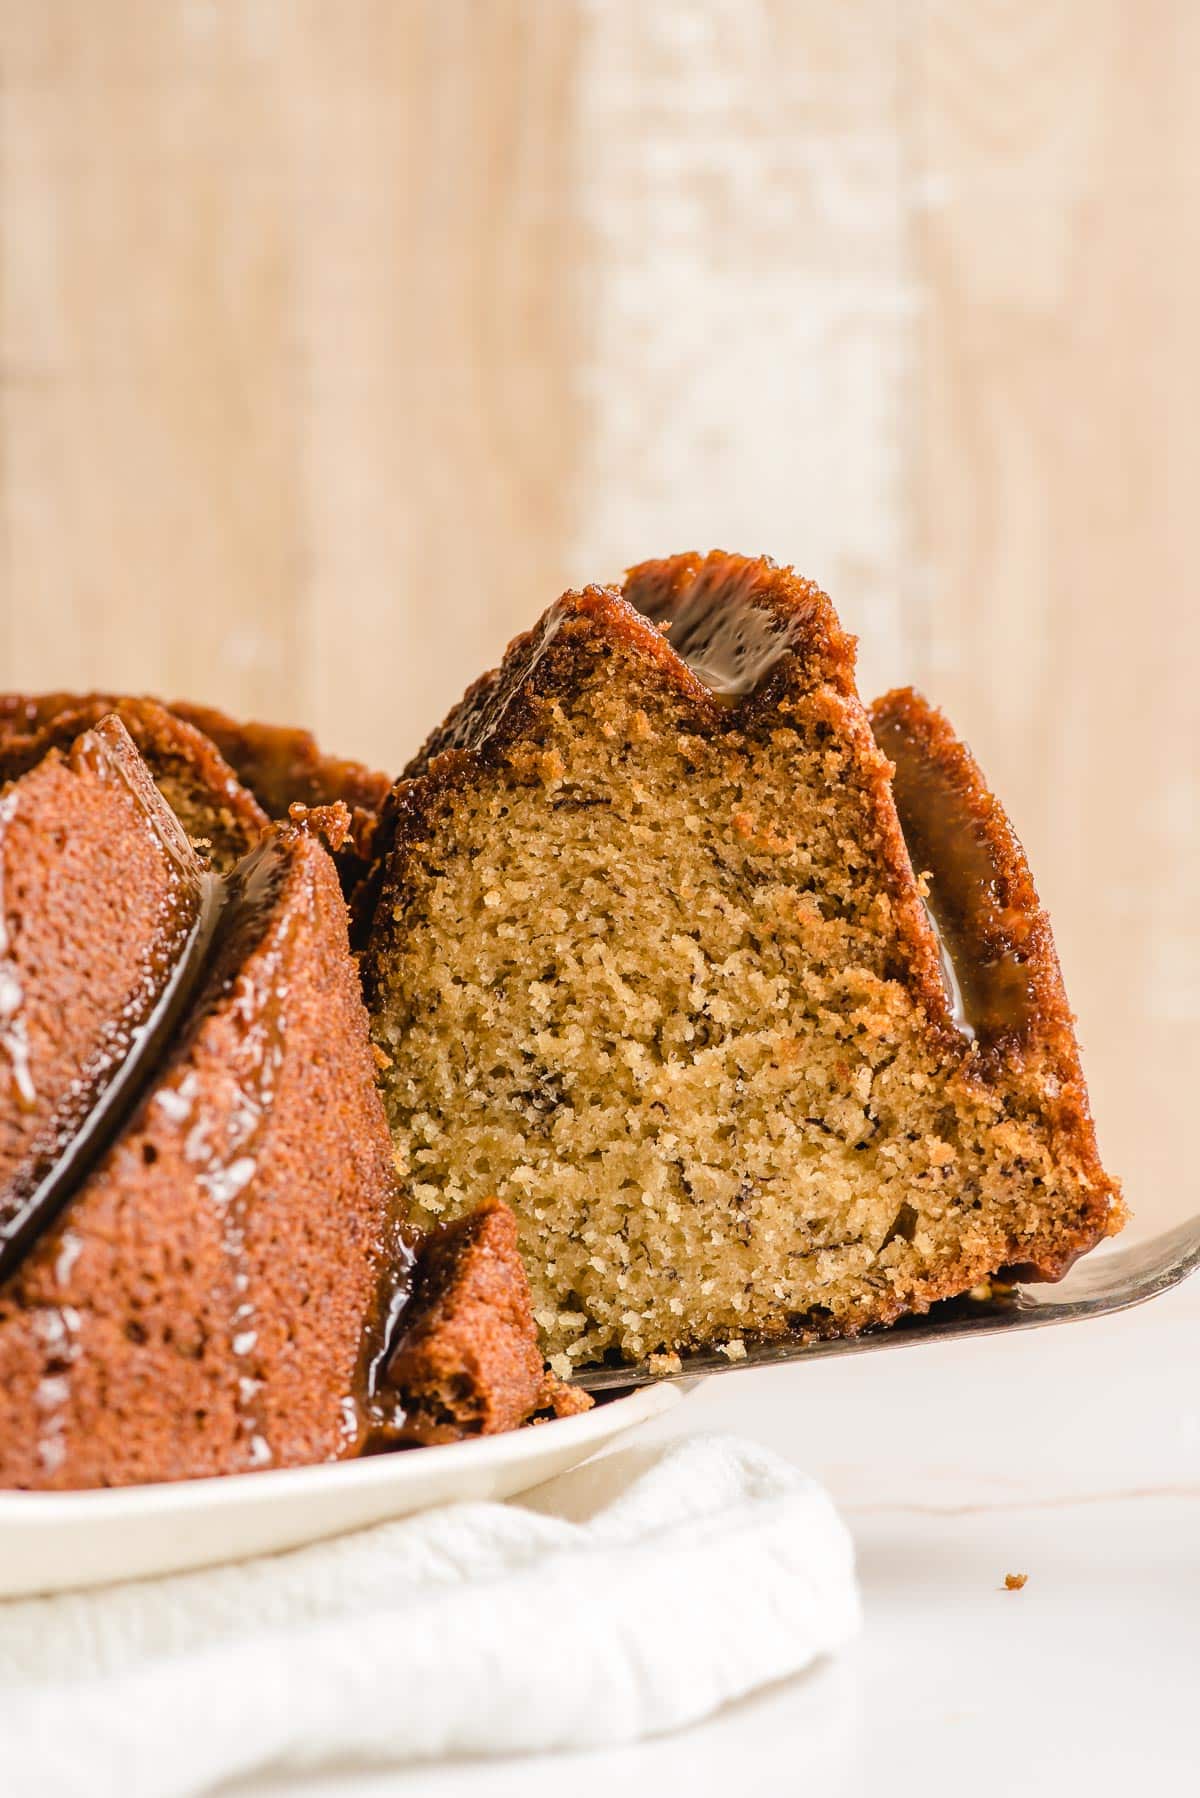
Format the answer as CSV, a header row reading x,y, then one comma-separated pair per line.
x,y
62,1541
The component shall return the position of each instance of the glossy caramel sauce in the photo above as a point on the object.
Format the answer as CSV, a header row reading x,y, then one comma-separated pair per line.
x,y
729,640
989,986
14,1038
28,1213
375,1414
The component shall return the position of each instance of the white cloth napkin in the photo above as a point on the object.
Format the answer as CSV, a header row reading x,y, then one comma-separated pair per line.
x,y
474,1629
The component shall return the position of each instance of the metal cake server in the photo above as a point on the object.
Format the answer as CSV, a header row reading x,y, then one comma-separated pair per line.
x,y
1112,1280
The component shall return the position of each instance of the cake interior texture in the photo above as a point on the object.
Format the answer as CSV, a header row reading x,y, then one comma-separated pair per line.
x,y
652,964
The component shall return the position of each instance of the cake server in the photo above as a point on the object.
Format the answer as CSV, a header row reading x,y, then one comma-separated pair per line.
x,y
1113,1280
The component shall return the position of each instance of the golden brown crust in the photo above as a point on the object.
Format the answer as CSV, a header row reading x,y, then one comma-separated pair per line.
x,y
263,770
290,776
121,904
1000,939
548,659
222,817
284,766
198,1308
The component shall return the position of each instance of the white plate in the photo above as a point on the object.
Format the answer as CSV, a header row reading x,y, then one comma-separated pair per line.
x,y
57,1541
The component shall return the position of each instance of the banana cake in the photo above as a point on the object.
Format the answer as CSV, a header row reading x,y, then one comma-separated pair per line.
x,y
741,997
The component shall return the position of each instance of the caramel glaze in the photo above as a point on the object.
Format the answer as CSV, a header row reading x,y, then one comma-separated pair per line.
x,y
720,625
459,1356
991,934
91,1110
991,919
224,917
986,937
215,924
380,1412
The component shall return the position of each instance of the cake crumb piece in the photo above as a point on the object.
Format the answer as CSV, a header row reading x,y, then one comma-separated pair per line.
x,y
734,1350
1014,1581
664,1364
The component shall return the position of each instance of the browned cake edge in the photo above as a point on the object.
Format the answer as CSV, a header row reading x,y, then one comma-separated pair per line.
x,y
284,766
280,764
468,1362
198,1308
1000,940
64,1039
219,812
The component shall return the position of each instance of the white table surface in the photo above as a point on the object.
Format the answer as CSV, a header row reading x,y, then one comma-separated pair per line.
x,y
1071,1455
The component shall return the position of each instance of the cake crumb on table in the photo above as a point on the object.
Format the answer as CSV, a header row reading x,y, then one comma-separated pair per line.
x,y
1014,1581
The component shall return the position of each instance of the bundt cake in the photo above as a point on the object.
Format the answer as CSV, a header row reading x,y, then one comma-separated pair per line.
x,y
222,817
268,769
741,998
705,1006
103,901
203,1266
198,1307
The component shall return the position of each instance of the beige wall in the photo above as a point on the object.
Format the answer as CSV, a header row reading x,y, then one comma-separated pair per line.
x,y
336,338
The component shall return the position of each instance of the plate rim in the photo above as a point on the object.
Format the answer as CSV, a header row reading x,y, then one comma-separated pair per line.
x,y
266,1485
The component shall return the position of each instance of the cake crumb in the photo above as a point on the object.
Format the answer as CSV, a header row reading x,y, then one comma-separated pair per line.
x,y
1014,1581
734,1350
664,1364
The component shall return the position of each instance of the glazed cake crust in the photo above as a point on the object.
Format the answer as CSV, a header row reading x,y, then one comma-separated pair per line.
x,y
283,766
226,778
594,749
222,817
998,933
467,1362
198,1308
100,893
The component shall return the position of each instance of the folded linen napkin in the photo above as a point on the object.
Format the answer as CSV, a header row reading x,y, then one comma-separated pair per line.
x,y
473,1629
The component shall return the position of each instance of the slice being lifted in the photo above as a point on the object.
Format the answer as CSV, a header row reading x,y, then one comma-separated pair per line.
x,y
649,960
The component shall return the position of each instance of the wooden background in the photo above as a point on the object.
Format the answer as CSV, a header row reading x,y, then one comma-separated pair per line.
x,y
335,339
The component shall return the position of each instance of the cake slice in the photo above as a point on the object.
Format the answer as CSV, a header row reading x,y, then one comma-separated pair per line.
x,y
650,958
